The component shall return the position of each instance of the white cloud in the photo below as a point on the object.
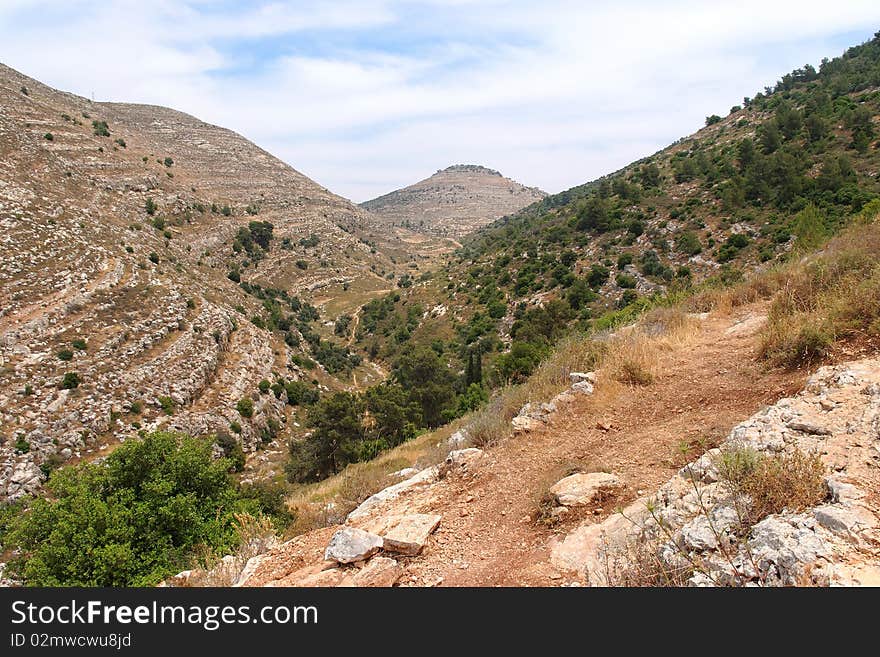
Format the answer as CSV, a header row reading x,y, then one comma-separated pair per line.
x,y
368,96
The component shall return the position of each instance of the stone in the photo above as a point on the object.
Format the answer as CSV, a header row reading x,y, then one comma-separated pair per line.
x,y
698,534
458,439
351,544
582,377
810,428
378,572
371,505
408,534
581,489
464,457
522,424
583,388
846,522
322,579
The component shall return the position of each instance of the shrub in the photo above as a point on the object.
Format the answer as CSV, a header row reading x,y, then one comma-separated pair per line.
x,y
100,128
80,344
121,142
245,407
168,161
70,381
146,512
302,264
22,446
150,206
771,484
232,451
49,136
65,354
167,405
154,257
264,386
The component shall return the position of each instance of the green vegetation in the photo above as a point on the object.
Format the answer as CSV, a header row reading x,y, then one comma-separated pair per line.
x,y
152,508
100,128
70,381
245,407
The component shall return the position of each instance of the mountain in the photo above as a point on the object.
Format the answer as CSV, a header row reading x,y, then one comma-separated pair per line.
x,y
454,201
125,230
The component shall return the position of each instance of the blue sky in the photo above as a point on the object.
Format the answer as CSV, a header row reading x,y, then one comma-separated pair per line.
x,y
368,96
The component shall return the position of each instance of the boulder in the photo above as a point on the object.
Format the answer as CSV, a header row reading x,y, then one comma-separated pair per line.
x,y
408,534
581,489
371,504
378,572
351,544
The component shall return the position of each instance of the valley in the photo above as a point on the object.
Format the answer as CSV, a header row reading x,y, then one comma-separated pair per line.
x,y
418,376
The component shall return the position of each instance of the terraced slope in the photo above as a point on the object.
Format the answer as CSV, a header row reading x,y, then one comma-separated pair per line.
x,y
118,227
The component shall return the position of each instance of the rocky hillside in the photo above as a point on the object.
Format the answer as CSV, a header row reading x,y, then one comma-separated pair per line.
x,y
575,493
122,226
454,201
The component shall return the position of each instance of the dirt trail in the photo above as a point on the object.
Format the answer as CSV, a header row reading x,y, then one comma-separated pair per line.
x,y
489,537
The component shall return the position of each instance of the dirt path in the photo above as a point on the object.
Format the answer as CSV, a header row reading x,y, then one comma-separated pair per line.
x,y
488,535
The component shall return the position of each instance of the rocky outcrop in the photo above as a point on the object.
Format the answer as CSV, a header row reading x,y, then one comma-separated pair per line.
x,y
693,524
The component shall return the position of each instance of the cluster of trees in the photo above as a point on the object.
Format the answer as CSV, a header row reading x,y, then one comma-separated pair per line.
x,y
350,427
254,240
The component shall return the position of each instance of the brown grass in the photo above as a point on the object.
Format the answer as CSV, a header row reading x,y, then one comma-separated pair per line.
x,y
771,484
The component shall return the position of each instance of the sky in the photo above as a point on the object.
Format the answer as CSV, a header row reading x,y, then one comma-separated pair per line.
x,y
368,96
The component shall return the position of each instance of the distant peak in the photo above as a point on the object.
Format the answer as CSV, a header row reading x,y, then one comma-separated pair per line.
x,y
472,168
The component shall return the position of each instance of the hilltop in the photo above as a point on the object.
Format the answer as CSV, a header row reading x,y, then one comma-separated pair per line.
x,y
453,202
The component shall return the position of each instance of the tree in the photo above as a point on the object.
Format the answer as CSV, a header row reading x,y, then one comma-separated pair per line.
x,y
394,416
245,407
337,423
769,136
428,382
809,228
131,520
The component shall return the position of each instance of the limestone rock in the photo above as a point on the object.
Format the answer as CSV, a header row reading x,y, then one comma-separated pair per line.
x,y
408,534
378,572
581,489
374,502
351,544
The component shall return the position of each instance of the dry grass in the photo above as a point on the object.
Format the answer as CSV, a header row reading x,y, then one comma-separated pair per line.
x,y
330,500
830,297
257,537
771,484
634,354
639,564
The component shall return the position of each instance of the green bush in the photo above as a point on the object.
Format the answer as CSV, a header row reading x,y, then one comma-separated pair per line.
x,y
100,128
80,344
167,405
146,512
22,446
232,451
70,381
245,407
65,354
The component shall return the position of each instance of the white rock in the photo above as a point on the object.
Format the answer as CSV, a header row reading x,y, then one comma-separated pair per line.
x,y
580,489
351,544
